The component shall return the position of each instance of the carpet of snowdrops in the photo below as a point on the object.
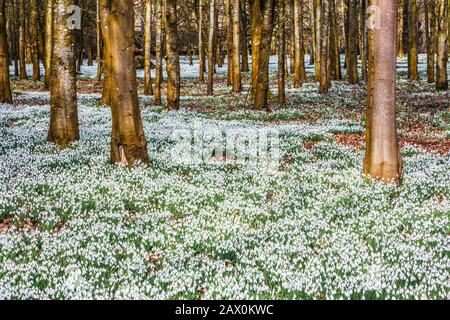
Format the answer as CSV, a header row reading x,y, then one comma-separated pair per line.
x,y
73,226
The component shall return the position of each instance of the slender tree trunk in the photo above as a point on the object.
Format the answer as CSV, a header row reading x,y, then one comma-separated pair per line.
x,y
430,29
442,45
256,24
244,40
401,49
99,43
34,30
148,89
317,56
128,143
290,6
413,73
201,56
63,127
173,60
107,56
158,54
324,52
5,87
352,40
298,45
211,36
264,12
363,40
337,75
229,26
22,41
236,46
48,42
282,54
382,158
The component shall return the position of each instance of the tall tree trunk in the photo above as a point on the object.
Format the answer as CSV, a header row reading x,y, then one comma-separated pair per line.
x,y
229,26
290,7
201,56
400,19
352,40
263,11
298,45
211,47
430,29
63,127
22,41
324,44
34,30
128,143
48,42
5,87
158,54
442,45
107,56
363,40
99,43
336,60
148,89
236,46
173,60
382,158
244,40
282,53
317,37
413,73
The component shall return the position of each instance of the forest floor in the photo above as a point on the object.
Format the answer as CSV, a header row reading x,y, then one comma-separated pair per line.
x,y
297,219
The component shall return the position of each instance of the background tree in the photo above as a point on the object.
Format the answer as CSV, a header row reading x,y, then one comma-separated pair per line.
x,y
48,42
158,54
211,45
282,53
148,89
34,30
382,157
236,47
352,40
173,60
63,127
413,73
442,45
22,41
5,88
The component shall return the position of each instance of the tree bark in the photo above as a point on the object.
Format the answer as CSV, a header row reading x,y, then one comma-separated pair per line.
x,y
352,47
382,156
400,19
48,42
5,87
324,44
363,40
336,60
34,30
99,43
158,54
298,45
236,46
430,30
229,26
211,47
442,45
173,61
413,73
244,40
282,54
128,143
148,89
22,41
63,127
263,14
107,85
201,56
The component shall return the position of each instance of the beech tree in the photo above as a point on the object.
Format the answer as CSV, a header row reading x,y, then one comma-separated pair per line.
x,y
128,143
382,157
48,42
352,43
236,65
158,54
63,127
148,89
413,73
173,60
211,45
34,30
5,88
442,44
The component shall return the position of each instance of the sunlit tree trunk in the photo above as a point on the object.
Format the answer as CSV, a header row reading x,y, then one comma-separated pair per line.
x,y
236,47
263,12
413,73
430,30
128,143
22,41
5,87
158,54
48,41
324,43
298,45
229,26
401,49
173,60
244,40
201,56
282,53
352,43
148,89
107,85
211,47
34,30
382,157
317,37
63,127
442,44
